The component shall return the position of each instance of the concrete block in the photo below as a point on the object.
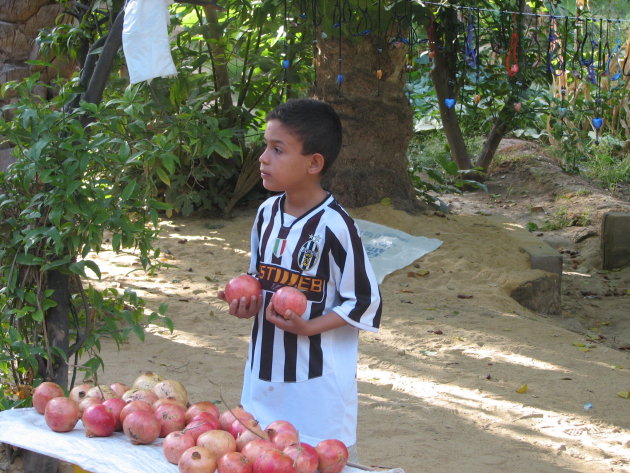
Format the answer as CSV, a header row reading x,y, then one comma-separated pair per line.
x,y
615,240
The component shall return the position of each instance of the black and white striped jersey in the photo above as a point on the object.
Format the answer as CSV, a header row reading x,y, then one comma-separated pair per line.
x,y
321,254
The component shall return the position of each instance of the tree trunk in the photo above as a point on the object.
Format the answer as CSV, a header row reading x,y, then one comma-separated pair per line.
x,y
376,118
450,123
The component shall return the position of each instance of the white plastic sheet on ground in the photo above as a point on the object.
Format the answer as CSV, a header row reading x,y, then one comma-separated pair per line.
x,y
389,249
145,40
27,429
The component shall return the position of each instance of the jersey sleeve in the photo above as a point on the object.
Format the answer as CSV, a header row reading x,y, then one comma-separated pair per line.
x,y
360,301
255,242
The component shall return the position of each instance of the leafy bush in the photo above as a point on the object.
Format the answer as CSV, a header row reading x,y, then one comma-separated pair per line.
x,y
77,175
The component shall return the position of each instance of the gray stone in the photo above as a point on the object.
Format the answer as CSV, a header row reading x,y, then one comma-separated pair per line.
x,y
615,240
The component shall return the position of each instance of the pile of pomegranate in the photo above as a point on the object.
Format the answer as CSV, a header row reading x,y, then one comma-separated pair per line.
x,y
197,436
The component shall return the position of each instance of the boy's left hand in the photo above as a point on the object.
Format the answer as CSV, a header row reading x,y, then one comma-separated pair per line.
x,y
292,322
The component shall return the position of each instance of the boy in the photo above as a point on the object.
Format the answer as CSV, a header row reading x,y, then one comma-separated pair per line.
x,y
303,368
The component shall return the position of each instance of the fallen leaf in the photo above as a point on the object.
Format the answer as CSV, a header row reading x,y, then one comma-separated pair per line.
x,y
417,274
624,394
522,389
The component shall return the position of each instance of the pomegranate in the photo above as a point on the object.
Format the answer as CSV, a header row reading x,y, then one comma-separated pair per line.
x,y
161,402
171,417
119,388
201,423
171,389
44,393
333,456
175,444
116,405
218,441
197,460
147,381
77,394
274,461
201,406
242,425
98,421
289,298
234,462
227,417
139,394
245,437
255,448
304,457
134,406
282,434
242,286
87,402
141,427
102,392
61,414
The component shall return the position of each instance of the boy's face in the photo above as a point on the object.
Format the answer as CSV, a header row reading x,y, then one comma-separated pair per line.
x,y
283,167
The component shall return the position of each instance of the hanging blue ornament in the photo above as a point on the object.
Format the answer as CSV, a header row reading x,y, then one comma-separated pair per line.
x,y
450,103
597,122
562,111
339,78
286,63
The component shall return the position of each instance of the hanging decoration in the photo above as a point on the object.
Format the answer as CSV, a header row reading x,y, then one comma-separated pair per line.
x,y
511,60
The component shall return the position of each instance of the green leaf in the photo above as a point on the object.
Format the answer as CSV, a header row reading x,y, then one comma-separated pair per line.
x,y
28,259
128,190
163,176
94,267
139,331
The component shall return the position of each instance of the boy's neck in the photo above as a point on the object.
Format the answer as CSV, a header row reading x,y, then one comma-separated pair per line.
x,y
300,201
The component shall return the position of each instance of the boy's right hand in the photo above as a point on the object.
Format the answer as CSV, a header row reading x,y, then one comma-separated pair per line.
x,y
242,308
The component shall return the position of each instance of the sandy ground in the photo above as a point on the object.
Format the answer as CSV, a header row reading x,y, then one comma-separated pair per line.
x,y
460,378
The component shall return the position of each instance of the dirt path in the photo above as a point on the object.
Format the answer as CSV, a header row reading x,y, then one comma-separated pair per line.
x,y
460,377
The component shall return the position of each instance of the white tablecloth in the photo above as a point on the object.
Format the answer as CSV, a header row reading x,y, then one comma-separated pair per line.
x,y
27,429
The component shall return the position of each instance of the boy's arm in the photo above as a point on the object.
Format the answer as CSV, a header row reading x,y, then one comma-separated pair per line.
x,y
293,323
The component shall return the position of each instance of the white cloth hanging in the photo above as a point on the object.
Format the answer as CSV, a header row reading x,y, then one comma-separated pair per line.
x,y
145,40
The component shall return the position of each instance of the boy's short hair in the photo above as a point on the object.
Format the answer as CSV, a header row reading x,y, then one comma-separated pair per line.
x,y
315,123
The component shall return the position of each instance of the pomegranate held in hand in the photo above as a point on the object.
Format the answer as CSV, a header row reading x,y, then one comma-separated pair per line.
x,y
175,444
61,414
99,421
141,427
304,456
234,462
333,456
242,286
289,298
197,460
44,393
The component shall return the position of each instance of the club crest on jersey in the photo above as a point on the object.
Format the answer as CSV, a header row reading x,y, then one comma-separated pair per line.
x,y
309,253
279,246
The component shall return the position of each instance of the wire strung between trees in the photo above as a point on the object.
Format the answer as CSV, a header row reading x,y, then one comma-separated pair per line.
x,y
501,12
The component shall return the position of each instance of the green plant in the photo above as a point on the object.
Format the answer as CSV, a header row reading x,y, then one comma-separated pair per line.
x,y
432,172
76,175
562,218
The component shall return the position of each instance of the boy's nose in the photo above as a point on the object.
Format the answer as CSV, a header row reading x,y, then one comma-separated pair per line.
x,y
263,157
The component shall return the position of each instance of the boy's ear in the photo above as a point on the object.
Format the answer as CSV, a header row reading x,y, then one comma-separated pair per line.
x,y
317,163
